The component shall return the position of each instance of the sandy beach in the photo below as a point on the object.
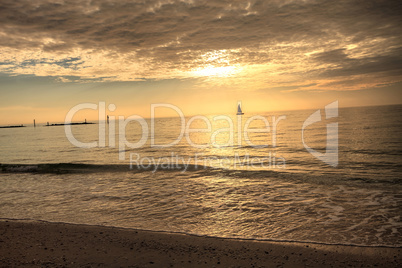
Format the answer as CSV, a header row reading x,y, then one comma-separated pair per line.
x,y
43,244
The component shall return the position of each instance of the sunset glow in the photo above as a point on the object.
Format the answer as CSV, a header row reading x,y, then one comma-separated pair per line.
x,y
223,71
200,133
134,53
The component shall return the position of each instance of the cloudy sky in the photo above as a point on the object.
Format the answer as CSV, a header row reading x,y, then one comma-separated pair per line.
x,y
202,56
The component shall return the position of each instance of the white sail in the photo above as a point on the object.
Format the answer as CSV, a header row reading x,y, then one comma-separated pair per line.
x,y
239,111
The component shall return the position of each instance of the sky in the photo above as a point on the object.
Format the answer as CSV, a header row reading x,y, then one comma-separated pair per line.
x,y
201,56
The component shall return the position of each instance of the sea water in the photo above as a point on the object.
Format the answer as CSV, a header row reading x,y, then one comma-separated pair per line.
x,y
264,186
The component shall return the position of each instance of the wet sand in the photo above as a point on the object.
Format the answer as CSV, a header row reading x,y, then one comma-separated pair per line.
x,y
43,244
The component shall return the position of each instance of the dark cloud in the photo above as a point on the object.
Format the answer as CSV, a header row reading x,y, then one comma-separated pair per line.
x,y
66,63
333,56
290,88
390,62
198,24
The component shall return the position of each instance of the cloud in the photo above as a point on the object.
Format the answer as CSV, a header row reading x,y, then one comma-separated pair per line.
x,y
345,66
131,40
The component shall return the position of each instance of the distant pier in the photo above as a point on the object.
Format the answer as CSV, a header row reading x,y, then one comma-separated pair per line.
x,y
63,124
13,126
51,125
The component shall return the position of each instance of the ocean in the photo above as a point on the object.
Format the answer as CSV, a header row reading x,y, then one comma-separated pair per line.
x,y
266,185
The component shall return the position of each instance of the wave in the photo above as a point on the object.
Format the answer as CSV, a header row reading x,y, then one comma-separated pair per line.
x,y
90,168
309,176
389,152
59,168
210,236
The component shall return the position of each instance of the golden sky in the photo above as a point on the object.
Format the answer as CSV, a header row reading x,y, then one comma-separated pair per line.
x,y
202,56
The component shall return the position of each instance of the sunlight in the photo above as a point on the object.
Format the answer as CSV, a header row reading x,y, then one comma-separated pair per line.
x,y
217,63
224,71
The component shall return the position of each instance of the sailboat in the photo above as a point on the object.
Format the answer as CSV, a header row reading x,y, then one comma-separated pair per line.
x,y
239,111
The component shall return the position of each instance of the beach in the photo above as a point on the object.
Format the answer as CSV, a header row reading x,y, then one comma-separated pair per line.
x,y
181,133
30,243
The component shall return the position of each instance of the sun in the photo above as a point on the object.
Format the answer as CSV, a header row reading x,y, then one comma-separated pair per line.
x,y
217,63
216,71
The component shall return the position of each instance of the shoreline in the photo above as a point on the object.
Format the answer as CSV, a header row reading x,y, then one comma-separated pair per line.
x,y
33,243
301,242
